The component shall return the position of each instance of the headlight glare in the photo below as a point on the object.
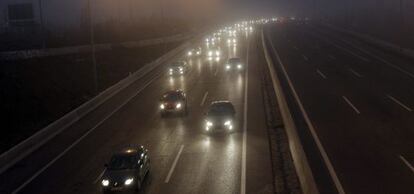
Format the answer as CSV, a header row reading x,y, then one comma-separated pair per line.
x,y
162,106
105,182
129,181
178,105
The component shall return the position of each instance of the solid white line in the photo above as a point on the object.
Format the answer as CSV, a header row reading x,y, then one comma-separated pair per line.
x,y
304,57
82,137
347,50
174,164
355,73
243,166
350,104
386,62
400,103
99,176
325,157
407,163
321,74
204,99
215,73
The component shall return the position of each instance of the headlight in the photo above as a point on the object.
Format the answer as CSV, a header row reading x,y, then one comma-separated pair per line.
x,y
162,106
217,53
171,70
105,182
190,53
209,123
210,53
129,181
228,67
228,122
178,105
239,66
198,53
180,68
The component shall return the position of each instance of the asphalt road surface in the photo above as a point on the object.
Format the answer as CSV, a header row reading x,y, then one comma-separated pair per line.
x,y
359,100
184,158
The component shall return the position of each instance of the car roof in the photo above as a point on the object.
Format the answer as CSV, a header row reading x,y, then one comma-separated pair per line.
x,y
178,63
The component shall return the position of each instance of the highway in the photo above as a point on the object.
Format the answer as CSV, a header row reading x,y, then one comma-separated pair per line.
x,y
184,159
359,100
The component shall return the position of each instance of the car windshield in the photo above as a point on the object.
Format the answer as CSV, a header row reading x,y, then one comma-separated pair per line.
x,y
234,60
220,109
171,97
177,64
119,162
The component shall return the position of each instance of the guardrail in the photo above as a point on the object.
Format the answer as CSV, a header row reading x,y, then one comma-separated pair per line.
x,y
27,54
20,151
300,160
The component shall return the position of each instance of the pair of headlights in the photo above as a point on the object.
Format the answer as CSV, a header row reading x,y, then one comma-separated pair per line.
x,y
239,66
177,106
105,182
228,124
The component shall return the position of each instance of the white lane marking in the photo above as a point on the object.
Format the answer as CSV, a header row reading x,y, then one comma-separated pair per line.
x,y
99,176
167,179
243,165
321,74
355,73
386,62
82,137
315,136
348,51
407,163
304,57
332,57
204,99
400,103
351,105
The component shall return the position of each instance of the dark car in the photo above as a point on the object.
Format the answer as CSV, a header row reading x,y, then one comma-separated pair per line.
x,y
220,115
126,170
194,52
177,68
173,102
234,63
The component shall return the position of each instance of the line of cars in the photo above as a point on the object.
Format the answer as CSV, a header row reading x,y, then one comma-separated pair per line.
x,y
128,168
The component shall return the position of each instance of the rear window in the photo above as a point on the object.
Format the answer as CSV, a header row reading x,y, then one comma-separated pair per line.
x,y
176,64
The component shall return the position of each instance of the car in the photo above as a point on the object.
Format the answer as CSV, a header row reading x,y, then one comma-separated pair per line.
x,y
174,101
220,115
194,52
234,64
214,52
126,170
177,68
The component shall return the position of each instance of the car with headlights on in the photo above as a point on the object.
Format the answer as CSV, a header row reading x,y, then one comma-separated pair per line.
x,y
177,68
220,115
194,52
173,102
126,170
234,64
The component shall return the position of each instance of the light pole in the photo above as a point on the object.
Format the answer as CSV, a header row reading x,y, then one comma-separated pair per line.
x,y
93,50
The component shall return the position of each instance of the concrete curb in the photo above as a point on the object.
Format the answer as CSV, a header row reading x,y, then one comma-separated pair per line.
x,y
303,170
28,54
24,148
